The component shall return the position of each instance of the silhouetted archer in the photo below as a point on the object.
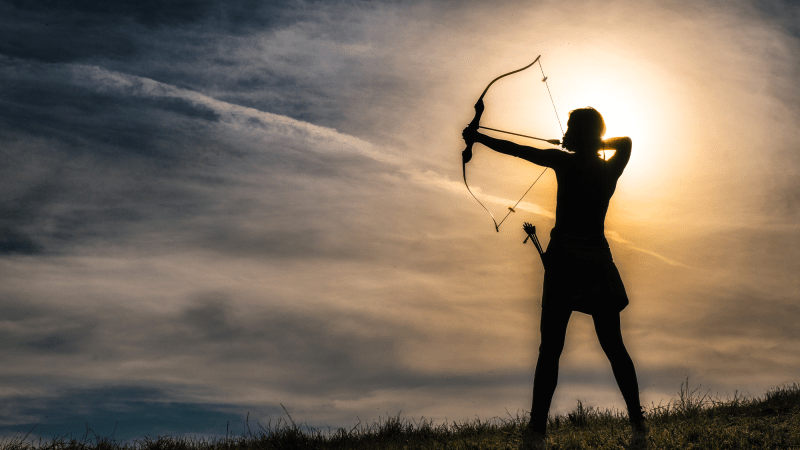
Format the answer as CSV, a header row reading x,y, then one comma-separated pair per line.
x,y
580,274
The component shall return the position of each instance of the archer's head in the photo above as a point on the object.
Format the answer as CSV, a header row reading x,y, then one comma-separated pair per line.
x,y
585,130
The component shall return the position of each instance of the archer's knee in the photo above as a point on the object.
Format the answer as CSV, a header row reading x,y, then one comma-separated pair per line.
x,y
551,350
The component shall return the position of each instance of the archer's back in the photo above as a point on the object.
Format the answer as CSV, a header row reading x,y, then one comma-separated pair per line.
x,y
585,187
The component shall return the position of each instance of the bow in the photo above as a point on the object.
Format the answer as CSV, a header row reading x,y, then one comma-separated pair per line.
x,y
466,155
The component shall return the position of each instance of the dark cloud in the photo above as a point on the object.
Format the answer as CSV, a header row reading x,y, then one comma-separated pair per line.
x,y
78,163
18,309
52,197
96,12
292,58
322,352
210,317
77,31
336,351
55,31
186,108
87,162
12,241
61,32
120,412
29,330
784,12
49,103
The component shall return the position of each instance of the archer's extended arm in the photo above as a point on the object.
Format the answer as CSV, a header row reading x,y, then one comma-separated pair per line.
x,y
546,158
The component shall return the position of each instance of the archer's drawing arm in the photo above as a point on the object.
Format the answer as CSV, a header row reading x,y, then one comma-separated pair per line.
x,y
540,157
622,153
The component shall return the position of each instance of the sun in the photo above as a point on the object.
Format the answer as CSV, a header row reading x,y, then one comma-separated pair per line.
x,y
635,100
635,103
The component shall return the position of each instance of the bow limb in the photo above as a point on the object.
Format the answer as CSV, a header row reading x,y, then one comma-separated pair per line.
x,y
466,155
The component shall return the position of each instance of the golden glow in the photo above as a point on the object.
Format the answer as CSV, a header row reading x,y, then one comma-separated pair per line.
x,y
606,154
635,100
521,104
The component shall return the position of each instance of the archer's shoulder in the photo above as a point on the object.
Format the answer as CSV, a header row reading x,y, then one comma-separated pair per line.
x,y
542,157
560,157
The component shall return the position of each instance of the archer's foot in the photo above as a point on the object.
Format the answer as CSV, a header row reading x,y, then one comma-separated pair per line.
x,y
638,436
533,440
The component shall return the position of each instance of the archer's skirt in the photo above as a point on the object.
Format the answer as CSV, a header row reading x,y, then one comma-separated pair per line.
x,y
580,275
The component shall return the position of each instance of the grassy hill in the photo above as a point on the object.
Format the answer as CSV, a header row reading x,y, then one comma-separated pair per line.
x,y
692,421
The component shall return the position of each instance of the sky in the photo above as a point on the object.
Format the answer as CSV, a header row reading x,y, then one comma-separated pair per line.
x,y
219,210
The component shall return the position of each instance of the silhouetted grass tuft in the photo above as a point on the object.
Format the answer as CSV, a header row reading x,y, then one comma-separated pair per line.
x,y
692,421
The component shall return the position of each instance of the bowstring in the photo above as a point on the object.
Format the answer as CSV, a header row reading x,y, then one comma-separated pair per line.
x,y
544,80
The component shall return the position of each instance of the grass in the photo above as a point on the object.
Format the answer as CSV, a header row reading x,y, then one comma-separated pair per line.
x,y
692,421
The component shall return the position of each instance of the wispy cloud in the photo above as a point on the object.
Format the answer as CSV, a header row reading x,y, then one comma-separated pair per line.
x,y
615,237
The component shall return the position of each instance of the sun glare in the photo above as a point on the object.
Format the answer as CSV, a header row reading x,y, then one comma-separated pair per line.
x,y
622,116
606,154
634,101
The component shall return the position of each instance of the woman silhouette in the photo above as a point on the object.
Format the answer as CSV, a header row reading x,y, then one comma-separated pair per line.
x,y
580,274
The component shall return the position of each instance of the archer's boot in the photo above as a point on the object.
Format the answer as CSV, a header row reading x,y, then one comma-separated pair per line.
x,y
533,440
638,436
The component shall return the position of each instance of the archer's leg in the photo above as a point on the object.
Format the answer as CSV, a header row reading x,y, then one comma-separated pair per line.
x,y
609,333
553,329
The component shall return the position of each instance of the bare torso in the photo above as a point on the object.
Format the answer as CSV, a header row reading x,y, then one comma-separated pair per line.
x,y
585,187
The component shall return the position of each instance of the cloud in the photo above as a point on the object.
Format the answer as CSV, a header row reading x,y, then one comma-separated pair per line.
x,y
93,174
220,182
68,32
614,236
213,209
119,412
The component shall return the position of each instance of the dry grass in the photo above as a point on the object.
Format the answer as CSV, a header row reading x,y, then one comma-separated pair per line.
x,y
692,421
